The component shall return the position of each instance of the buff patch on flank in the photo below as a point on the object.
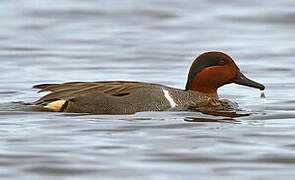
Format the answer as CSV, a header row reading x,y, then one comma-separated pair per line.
x,y
55,105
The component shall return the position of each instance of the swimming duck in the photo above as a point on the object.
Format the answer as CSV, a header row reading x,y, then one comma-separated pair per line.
x,y
208,72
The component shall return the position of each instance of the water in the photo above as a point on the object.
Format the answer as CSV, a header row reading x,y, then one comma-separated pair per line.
x,y
154,41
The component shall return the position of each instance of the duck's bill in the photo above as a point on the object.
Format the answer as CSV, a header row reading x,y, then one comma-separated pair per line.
x,y
243,80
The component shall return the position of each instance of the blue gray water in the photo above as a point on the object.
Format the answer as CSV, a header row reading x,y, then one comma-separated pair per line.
x,y
154,41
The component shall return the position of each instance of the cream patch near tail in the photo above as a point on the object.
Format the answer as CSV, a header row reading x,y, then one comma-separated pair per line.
x,y
55,105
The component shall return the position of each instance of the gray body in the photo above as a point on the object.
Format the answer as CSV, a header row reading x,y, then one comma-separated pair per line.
x,y
119,97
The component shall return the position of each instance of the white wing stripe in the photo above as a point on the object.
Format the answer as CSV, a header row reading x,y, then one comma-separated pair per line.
x,y
169,98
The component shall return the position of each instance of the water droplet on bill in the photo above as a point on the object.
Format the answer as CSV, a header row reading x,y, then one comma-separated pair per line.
x,y
262,96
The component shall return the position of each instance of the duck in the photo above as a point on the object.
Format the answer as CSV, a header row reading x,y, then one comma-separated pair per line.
x,y
208,72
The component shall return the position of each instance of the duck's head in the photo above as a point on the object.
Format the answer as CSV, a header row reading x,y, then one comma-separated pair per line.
x,y
212,70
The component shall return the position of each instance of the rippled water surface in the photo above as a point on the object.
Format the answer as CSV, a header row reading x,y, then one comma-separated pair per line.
x,y
155,41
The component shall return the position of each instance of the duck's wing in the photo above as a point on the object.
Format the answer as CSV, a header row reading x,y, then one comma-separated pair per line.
x,y
69,90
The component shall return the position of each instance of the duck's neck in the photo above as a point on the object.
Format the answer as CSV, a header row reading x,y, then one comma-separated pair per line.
x,y
205,90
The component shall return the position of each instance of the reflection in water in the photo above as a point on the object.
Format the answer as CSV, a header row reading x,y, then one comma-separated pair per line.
x,y
231,114
197,119
223,116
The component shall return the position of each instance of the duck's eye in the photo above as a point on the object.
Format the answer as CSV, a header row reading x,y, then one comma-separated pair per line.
x,y
222,62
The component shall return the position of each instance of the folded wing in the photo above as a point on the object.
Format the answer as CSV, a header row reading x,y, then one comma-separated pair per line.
x,y
69,90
